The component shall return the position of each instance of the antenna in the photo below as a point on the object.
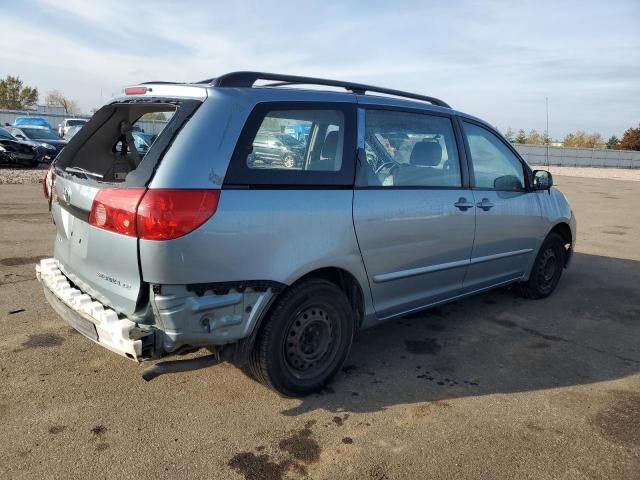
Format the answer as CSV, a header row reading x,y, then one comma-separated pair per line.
x,y
547,137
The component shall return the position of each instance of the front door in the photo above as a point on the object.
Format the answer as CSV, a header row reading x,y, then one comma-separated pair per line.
x,y
508,218
414,220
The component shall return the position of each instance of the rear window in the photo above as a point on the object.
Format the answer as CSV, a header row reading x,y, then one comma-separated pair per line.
x,y
123,142
71,123
296,144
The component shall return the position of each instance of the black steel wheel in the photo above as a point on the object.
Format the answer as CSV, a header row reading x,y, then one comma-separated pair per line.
x,y
547,269
305,338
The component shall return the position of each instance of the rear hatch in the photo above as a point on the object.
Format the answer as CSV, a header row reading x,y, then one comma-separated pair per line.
x,y
100,178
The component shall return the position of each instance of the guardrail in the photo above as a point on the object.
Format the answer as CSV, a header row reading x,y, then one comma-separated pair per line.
x,y
579,157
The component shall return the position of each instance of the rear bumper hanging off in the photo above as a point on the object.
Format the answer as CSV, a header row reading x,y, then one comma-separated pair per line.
x,y
89,317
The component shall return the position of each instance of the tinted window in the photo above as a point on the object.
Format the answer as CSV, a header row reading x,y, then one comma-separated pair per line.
x,y
410,149
39,133
284,141
296,143
494,165
5,134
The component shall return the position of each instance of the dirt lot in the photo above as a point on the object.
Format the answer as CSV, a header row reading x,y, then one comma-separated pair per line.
x,y
490,387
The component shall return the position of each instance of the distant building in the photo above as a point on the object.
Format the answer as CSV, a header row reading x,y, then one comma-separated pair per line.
x,y
50,109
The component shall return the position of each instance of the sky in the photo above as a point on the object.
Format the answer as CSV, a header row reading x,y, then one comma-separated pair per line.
x,y
498,60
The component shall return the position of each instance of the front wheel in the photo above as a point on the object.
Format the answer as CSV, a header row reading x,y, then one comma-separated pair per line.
x,y
304,340
546,270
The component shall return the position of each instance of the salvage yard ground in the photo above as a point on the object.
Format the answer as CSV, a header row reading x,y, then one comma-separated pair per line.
x,y
489,387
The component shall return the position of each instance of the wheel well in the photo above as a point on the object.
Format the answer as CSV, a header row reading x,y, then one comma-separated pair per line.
x,y
347,283
564,231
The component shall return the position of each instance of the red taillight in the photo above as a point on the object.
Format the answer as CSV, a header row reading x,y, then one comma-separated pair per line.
x,y
135,90
164,214
114,209
161,214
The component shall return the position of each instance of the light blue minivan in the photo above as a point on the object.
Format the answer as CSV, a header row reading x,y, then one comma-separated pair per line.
x,y
399,203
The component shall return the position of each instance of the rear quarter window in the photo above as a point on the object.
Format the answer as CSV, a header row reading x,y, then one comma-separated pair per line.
x,y
289,144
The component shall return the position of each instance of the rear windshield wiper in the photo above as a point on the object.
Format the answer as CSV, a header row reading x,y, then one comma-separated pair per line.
x,y
83,171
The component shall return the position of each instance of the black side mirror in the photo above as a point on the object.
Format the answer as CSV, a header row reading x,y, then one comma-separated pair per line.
x,y
542,180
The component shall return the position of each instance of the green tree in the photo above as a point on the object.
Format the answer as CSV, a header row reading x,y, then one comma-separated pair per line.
x,y
613,142
630,139
15,96
509,134
534,138
521,137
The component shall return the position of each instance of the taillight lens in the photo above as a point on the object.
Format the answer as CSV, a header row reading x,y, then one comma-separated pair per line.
x,y
164,214
114,209
161,214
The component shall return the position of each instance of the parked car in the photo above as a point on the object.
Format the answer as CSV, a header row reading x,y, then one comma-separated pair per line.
x,y
19,153
71,131
277,148
29,121
190,244
42,136
67,123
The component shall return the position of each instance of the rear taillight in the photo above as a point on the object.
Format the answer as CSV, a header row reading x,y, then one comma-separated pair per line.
x,y
164,214
114,209
161,214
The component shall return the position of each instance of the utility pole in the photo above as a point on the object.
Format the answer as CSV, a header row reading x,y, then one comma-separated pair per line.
x,y
547,137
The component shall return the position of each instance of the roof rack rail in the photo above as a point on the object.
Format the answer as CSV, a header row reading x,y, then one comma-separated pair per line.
x,y
247,79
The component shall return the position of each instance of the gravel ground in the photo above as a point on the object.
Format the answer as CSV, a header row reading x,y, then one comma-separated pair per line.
x,y
20,176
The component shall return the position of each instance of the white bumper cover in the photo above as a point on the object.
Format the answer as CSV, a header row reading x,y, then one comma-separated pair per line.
x,y
86,315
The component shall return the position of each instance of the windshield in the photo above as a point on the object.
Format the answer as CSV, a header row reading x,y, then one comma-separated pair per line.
x,y
40,134
5,134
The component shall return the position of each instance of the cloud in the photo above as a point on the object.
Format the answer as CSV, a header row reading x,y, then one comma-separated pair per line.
x,y
495,59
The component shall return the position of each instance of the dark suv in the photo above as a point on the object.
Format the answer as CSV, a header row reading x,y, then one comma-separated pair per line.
x,y
277,148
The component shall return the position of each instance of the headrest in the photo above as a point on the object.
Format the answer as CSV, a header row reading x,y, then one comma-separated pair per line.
x,y
426,154
330,147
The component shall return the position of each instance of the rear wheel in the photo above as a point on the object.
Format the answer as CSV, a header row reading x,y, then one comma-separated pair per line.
x,y
304,340
546,270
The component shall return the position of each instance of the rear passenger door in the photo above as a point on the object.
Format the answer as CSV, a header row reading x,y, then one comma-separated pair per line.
x,y
508,220
413,210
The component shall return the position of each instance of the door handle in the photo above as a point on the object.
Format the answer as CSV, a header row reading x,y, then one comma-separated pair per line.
x,y
462,204
485,204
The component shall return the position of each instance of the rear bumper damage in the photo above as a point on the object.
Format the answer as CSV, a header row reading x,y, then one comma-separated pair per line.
x,y
91,318
177,318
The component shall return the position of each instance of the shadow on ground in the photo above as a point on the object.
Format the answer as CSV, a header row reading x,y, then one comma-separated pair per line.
x,y
497,343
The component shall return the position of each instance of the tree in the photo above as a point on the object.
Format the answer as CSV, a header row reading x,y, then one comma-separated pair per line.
x,y
521,137
15,96
630,139
55,98
509,134
581,139
534,138
613,142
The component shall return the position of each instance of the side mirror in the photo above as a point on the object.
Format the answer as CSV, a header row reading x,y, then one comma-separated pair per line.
x,y
20,136
542,180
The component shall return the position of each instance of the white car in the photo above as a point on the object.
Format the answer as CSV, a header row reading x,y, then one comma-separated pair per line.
x,y
67,123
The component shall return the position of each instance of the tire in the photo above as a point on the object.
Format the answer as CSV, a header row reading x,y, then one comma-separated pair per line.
x,y
547,269
317,317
